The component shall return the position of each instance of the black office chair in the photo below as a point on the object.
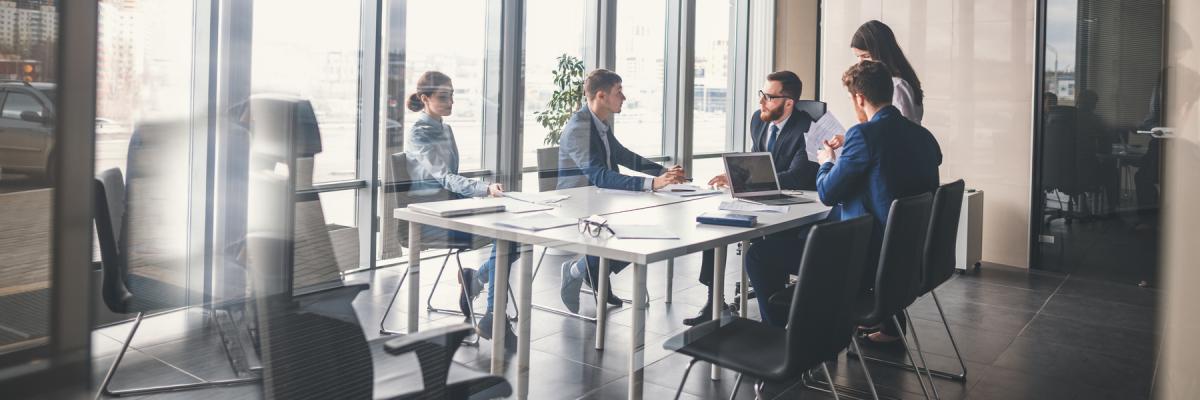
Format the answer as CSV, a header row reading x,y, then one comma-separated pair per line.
x,y
820,321
899,276
315,349
115,290
409,191
940,246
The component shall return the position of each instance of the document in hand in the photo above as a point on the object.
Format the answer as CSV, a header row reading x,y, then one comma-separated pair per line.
x,y
536,222
536,198
686,190
642,232
735,205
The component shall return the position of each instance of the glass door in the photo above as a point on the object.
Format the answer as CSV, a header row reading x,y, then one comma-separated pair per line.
x,y
1098,162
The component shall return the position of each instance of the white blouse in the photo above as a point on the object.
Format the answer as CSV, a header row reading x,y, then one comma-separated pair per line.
x,y
905,101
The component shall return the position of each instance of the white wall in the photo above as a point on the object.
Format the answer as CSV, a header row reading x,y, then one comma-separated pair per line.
x,y
1181,316
975,61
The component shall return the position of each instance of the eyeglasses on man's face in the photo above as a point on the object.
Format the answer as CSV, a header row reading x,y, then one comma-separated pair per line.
x,y
594,226
768,97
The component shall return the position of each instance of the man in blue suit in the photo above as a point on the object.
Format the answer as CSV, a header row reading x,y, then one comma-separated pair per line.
x,y
590,155
884,158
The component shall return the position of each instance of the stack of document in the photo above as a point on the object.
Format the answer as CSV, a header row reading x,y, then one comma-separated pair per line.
x,y
536,198
536,222
687,190
737,205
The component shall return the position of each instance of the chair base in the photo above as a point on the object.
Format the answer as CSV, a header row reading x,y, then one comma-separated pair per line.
x,y
112,370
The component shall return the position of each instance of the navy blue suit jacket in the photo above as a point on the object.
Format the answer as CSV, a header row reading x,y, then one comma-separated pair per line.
x,y
886,158
792,166
582,161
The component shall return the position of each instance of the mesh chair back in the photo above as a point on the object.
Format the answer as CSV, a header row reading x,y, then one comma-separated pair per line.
x,y
940,246
820,321
901,259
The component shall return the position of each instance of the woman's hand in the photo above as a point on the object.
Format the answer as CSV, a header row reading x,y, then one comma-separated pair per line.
x,y
496,190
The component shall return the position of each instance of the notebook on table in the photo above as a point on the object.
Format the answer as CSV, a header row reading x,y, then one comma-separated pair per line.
x,y
457,208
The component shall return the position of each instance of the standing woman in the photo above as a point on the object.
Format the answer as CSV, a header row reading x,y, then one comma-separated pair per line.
x,y
434,157
874,40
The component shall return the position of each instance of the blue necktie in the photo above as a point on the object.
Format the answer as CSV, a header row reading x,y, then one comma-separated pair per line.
x,y
774,135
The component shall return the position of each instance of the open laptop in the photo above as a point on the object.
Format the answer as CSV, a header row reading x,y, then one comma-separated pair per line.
x,y
752,178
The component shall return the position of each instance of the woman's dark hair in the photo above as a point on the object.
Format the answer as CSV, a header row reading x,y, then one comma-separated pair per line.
x,y
876,38
428,83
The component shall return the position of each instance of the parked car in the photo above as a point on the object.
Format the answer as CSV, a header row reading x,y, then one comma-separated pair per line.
x,y
27,128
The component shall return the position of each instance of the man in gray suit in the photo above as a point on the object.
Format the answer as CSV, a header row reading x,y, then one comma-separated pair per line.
x,y
590,155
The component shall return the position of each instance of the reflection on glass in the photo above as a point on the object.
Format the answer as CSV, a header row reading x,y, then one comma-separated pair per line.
x,y
318,65
28,46
711,76
641,55
1100,187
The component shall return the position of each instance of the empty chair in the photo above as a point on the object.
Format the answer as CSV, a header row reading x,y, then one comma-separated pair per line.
x,y
115,290
820,323
899,276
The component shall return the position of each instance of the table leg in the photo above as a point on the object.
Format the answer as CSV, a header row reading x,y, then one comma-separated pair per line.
x,y
500,310
670,279
414,275
602,304
745,285
718,287
637,338
525,308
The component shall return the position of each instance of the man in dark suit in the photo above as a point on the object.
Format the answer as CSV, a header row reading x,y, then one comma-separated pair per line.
x,y
884,157
589,155
780,128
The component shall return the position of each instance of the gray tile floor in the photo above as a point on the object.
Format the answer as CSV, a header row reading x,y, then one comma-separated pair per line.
x,y
1024,335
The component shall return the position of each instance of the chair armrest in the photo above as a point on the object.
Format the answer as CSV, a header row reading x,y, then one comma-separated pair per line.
x,y
453,334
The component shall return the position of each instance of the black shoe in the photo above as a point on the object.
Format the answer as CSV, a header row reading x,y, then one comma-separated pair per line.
x,y
593,281
705,315
469,285
865,340
484,330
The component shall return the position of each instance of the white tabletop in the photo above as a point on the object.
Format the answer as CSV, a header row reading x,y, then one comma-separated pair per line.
x,y
633,208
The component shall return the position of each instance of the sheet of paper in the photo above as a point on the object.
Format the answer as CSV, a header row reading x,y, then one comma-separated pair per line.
x,y
642,232
536,222
737,205
534,197
687,190
517,207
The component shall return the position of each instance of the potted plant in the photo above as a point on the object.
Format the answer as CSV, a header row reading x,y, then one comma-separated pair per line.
x,y
565,101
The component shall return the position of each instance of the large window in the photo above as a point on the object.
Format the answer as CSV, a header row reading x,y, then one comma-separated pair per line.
x,y
553,28
711,104
641,62
448,36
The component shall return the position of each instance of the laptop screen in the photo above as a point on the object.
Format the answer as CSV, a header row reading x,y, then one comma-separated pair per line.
x,y
749,173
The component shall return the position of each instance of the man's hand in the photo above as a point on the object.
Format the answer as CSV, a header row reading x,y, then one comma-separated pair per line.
x,y
672,175
719,181
825,154
836,142
495,190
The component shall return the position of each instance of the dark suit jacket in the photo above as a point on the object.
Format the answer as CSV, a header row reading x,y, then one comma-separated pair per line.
x,y
794,170
582,161
883,159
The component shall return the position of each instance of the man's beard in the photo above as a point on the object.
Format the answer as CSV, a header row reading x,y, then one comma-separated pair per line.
x,y
771,114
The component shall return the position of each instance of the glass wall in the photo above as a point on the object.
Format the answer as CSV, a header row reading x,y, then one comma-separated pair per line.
x,y
710,104
29,40
553,29
641,62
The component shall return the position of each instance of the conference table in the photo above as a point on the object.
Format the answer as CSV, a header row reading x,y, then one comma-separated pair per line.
x,y
673,213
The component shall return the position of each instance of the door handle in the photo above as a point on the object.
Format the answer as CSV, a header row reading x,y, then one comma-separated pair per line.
x,y
1161,132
